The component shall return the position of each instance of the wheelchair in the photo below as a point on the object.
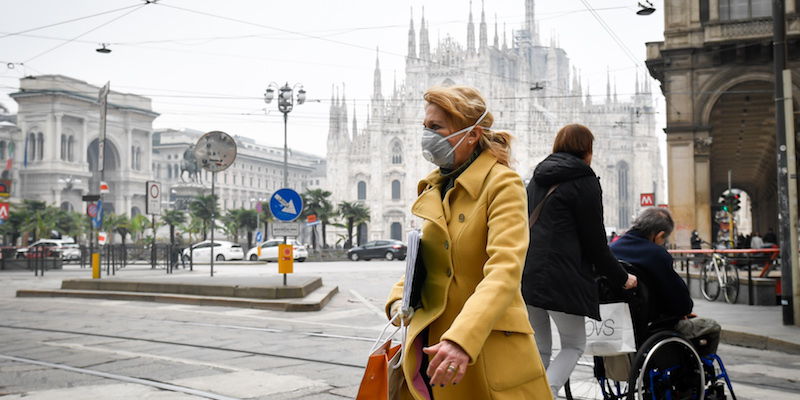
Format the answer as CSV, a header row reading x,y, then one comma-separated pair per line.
x,y
666,365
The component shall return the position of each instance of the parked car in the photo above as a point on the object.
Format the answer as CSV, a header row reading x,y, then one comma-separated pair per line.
x,y
45,247
269,251
201,252
388,249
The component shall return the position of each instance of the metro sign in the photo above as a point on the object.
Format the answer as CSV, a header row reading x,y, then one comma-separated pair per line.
x,y
647,199
3,211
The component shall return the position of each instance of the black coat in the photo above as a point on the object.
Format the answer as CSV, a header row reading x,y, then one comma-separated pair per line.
x,y
668,291
568,246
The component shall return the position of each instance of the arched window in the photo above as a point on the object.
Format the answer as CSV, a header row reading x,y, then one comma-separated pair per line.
x,y
2,150
362,190
40,146
623,196
71,148
397,152
63,147
169,172
133,157
135,211
175,171
30,147
138,158
395,189
396,231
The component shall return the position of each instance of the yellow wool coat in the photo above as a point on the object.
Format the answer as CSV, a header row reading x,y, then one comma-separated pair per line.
x,y
474,245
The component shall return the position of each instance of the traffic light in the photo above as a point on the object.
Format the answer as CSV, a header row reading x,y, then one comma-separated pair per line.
x,y
735,203
724,203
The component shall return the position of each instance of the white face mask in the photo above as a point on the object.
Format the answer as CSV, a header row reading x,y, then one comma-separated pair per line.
x,y
438,150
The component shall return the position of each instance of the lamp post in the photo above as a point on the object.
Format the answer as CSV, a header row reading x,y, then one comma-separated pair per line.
x,y
285,105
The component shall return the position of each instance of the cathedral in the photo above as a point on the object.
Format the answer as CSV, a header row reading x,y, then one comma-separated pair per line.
x,y
532,91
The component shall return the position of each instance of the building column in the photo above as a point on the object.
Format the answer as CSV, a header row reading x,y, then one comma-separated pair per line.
x,y
56,146
702,184
127,203
682,187
713,10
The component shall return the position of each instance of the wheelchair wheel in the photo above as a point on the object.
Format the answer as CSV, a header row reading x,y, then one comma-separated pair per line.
x,y
589,382
731,283
667,367
709,284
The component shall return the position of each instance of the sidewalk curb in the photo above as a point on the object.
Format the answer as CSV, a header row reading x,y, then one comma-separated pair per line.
x,y
313,302
759,342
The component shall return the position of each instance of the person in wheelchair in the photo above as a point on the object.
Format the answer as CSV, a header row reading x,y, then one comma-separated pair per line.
x,y
670,302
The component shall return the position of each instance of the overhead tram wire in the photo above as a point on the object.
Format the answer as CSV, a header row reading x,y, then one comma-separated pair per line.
x,y
67,22
87,32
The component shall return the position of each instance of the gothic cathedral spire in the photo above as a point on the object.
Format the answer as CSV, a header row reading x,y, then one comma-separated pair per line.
x,y
470,32
530,22
412,39
484,37
424,44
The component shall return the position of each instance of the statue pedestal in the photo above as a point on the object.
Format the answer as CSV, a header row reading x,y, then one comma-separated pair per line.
x,y
186,192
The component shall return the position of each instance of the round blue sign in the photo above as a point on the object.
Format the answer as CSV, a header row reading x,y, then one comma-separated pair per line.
x,y
286,205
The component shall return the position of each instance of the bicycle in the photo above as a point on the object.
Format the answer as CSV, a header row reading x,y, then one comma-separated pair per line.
x,y
719,275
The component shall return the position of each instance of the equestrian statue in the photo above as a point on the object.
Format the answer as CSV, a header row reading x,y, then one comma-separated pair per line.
x,y
189,164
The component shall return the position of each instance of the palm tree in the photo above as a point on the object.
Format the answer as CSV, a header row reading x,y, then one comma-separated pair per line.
x,y
139,223
230,223
32,219
248,221
173,218
317,203
116,223
361,217
204,207
349,212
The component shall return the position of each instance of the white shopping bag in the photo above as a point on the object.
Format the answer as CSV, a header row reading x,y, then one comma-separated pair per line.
x,y
613,334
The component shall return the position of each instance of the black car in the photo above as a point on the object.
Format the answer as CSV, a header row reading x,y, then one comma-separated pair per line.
x,y
386,248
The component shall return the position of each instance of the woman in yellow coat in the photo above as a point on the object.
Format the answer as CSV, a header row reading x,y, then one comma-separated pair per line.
x,y
470,337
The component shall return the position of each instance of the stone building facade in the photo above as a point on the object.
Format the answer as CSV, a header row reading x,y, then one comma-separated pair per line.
x,y
531,89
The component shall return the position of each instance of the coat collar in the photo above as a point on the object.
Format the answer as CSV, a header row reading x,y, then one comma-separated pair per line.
x,y
471,179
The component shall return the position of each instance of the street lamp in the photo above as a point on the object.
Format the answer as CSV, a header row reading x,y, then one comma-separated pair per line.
x,y
285,105
646,9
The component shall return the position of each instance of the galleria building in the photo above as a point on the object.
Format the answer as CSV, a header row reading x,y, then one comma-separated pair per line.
x,y
530,88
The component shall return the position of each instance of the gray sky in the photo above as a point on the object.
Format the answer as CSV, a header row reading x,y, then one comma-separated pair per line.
x,y
206,64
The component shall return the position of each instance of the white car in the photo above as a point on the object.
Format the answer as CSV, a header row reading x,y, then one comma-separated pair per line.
x,y
69,250
269,251
201,252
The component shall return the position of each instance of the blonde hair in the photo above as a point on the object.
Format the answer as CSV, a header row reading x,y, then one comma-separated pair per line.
x,y
463,105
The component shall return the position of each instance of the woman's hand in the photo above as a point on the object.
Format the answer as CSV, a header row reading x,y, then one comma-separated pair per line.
x,y
448,363
631,282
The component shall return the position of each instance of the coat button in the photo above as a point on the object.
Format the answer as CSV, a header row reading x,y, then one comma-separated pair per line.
x,y
449,272
446,245
460,217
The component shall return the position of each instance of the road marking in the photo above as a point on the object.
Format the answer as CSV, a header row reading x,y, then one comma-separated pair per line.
x,y
146,382
369,305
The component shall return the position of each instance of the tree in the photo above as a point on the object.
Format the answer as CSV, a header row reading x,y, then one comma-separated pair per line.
x,y
116,223
204,207
361,218
349,212
247,220
139,223
230,223
173,218
317,203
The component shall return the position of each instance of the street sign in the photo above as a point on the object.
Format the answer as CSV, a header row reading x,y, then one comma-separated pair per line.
x,y
285,259
259,207
3,211
91,210
153,205
258,236
100,154
647,199
5,187
312,220
90,197
285,229
101,238
98,220
286,205
103,187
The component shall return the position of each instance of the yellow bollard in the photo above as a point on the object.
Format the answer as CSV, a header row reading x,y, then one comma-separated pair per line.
x,y
95,265
285,259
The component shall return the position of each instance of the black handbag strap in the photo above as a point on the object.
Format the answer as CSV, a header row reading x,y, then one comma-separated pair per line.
x,y
535,214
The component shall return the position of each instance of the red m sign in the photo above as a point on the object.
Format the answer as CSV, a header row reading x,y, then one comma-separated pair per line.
x,y
647,200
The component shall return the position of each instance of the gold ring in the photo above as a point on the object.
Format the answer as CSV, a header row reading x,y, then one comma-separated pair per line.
x,y
451,368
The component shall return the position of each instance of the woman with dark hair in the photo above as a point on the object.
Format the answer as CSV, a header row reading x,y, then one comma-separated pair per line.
x,y
470,337
567,251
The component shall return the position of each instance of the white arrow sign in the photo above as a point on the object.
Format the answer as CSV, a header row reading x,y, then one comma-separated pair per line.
x,y
288,206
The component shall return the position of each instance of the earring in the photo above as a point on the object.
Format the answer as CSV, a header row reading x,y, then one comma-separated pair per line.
x,y
470,142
